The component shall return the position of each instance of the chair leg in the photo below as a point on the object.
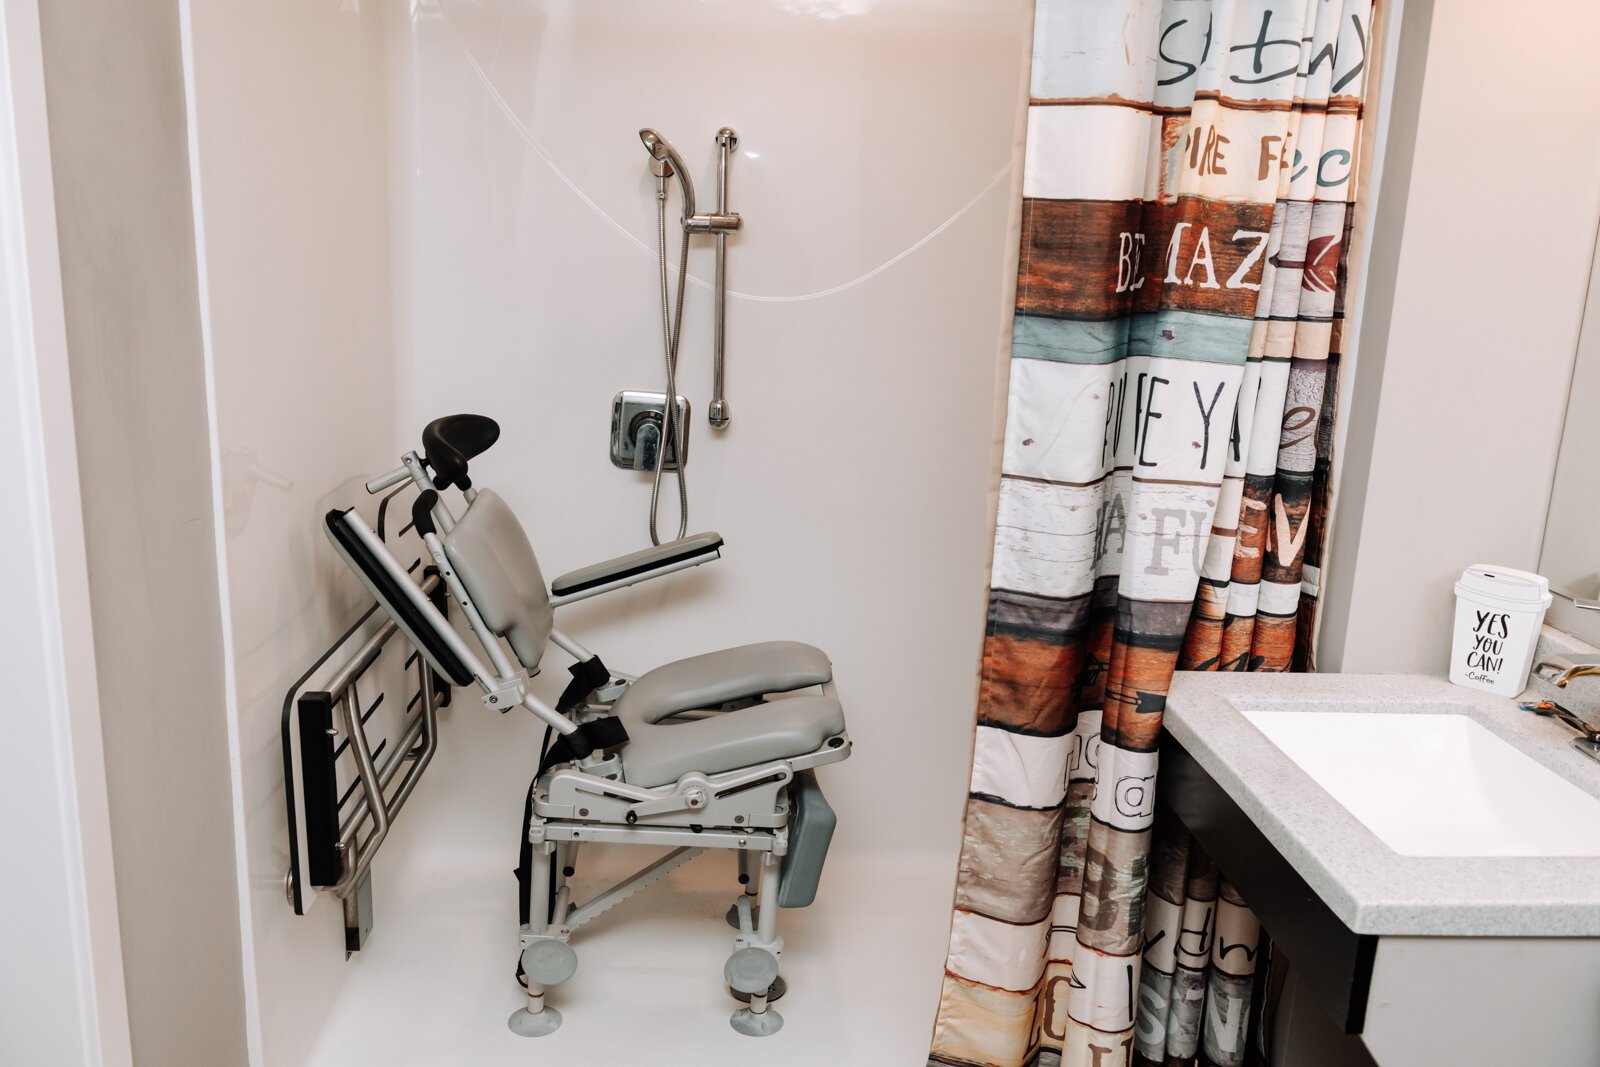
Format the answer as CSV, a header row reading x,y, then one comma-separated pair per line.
x,y
753,967
536,1018
748,878
766,917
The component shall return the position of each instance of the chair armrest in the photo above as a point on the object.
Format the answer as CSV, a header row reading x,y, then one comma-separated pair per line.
x,y
696,548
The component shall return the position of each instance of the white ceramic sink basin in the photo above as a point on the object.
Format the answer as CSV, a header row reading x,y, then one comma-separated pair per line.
x,y
1437,784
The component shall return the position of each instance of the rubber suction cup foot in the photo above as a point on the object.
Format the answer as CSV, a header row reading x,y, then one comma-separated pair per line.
x,y
750,1024
525,1023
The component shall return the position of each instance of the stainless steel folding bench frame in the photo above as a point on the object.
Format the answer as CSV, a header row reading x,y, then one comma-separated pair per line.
x,y
714,752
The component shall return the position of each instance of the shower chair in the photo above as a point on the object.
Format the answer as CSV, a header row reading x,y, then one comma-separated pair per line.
x,y
717,751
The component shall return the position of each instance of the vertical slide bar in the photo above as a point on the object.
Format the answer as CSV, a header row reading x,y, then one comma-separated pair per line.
x,y
717,410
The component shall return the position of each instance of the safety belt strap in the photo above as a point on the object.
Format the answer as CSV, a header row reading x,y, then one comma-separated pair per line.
x,y
587,676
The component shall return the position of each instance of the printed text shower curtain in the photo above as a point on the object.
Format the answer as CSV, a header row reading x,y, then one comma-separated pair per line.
x,y
1189,182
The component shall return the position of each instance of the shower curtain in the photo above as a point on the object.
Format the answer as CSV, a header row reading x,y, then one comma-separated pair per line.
x,y
1188,189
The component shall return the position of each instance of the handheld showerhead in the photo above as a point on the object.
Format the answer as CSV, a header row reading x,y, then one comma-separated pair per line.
x,y
665,162
657,146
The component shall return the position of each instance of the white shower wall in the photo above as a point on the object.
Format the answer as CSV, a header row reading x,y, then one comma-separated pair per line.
x,y
412,210
852,484
289,113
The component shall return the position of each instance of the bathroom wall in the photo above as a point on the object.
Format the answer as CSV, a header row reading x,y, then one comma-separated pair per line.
x,y
63,998
291,116
1567,556
128,277
1475,297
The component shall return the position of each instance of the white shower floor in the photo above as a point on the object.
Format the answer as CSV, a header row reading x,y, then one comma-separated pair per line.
x,y
434,986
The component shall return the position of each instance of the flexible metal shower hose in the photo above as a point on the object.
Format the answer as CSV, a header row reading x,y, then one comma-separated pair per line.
x,y
670,326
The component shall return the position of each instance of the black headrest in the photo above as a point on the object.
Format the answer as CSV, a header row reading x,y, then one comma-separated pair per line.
x,y
451,441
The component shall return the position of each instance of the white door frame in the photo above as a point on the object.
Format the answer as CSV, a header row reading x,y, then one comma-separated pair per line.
x,y
62,997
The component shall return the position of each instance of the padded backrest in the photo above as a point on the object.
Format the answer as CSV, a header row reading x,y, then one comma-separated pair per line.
x,y
492,557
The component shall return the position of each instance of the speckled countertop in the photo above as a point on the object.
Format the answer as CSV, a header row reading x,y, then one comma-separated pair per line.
x,y
1373,889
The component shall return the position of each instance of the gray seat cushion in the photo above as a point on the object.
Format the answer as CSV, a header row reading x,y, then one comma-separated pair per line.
x,y
660,751
717,677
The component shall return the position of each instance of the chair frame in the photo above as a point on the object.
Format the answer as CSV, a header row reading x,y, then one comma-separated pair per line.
x,y
747,811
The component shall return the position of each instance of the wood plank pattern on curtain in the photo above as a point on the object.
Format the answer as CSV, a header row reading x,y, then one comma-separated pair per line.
x,y
1189,174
